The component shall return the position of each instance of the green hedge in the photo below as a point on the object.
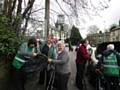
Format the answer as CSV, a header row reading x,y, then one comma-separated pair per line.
x,y
9,41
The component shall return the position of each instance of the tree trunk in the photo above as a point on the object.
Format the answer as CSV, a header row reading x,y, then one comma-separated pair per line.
x,y
19,8
17,17
9,13
5,8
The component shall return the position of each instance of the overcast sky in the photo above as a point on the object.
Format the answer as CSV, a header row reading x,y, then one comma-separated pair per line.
x,y
108,17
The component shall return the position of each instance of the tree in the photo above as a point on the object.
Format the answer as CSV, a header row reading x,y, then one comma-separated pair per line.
x,y
9,42
75,36
13,10
79,8
93,29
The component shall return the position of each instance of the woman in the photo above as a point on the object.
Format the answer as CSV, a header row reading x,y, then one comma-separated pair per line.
x,y
26,51
81,57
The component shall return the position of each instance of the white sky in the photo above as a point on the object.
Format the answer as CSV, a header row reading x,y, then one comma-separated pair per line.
x,y
108,17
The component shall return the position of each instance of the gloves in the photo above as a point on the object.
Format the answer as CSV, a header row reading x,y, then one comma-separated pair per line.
x,y
34,54
49,60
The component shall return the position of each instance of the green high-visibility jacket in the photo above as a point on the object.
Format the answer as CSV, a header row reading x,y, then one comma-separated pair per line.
x,y
110,65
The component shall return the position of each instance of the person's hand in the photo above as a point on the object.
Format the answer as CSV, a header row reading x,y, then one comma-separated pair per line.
x,y
98,71
34,54
49,60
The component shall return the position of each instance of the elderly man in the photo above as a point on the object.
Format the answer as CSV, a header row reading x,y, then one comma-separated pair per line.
x,y
109,65
62,67
47,48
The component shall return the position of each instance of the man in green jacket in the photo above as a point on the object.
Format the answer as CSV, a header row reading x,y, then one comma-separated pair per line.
x,y
109,66
47,48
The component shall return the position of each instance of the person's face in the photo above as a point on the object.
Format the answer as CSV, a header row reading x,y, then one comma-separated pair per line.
x,y
32,45
86,43
49,41
52,39
60,47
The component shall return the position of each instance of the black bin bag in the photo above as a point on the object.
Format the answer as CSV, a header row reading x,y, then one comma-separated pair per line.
x,y
35,64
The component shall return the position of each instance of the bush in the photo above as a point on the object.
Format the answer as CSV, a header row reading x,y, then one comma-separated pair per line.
x,y
9,41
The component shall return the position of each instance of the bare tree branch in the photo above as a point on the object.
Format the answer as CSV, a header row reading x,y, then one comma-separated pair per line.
x,y
29,6
19,8
13,6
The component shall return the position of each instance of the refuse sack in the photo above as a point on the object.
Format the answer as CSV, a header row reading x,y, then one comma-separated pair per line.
x,y
34,64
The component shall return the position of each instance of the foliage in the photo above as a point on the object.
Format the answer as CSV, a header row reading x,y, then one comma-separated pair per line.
x,y
75,36
9,41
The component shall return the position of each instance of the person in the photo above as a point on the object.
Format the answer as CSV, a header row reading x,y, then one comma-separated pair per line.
x,y
108,66
62,67
47,49
90,50
21,80
77,46
81,57
90,66
70,46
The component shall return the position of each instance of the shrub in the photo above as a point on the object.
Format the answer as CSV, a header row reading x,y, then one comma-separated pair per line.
x,y
9,41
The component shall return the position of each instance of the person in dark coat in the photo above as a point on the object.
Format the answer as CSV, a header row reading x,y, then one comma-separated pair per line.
x,y
48,49
81,58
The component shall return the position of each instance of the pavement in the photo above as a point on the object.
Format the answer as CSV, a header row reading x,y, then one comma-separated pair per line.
x,y
71,84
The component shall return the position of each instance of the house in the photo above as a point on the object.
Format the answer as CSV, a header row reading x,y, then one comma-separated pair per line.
x,y
115,34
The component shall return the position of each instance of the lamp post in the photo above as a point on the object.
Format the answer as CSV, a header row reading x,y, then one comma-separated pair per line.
x,y
60,21
47,17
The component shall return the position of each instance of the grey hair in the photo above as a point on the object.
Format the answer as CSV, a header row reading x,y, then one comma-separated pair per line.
x,y
110,46
60,42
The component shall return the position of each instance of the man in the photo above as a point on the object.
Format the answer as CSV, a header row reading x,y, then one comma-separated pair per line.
x,y
47,48
108,66
62,67
81,58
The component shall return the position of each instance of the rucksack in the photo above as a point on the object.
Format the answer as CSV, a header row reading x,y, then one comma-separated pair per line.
x,y
110,65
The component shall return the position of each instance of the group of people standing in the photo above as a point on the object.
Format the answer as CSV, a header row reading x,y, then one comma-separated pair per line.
x,y
107,68
57,61
56,71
